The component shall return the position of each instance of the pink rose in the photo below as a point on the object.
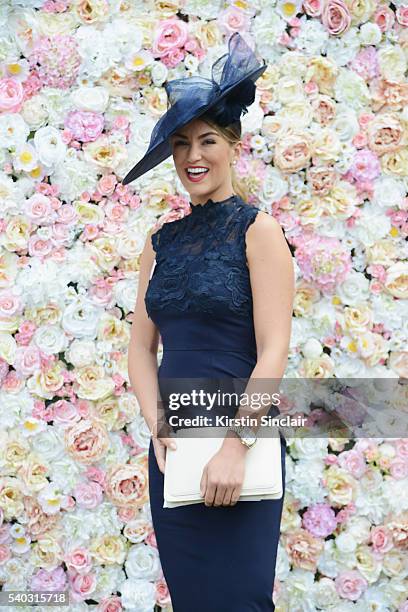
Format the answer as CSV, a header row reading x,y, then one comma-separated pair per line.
x,y
162,593
170,34
81,586
39,209
85,126
88,494
109,604
381,539
313,8
107,184
402,15
336,17
37,247
27,360
67,214
320,520
401,446
354,462
350,585
78,560
11,95
5,537
5,553
399,468
173,58
384,17
65,413
10,304
233,19
49,580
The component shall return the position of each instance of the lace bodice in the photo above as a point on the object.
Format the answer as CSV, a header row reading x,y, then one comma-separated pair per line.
x,y
201,263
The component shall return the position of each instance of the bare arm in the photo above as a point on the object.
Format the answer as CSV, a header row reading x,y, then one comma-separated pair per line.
x,y
144,342
273,289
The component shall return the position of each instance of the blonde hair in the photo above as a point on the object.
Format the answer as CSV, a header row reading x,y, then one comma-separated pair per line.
x,y
232,134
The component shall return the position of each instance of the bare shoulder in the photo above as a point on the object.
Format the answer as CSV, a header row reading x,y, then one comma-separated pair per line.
x,y
264,231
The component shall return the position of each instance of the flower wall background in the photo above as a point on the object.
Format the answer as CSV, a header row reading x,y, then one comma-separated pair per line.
x,y
325,151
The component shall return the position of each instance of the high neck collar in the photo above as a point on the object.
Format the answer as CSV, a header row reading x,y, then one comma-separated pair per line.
x,y
209,204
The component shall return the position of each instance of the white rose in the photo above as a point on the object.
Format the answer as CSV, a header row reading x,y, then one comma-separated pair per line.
x,y
351,89
345,123
49,145
253,119
95,98
359,527
388,191
81,353
14,131
274,186
348,367
372,225
308,448
370,34
325,594
289,89
139,431
297,114
354,289
49,444
312,348
34,111
143,562
65,473
8,347
50,339
293,64
345,543
392,62
307,490
327,564
81,318
138,595
159,72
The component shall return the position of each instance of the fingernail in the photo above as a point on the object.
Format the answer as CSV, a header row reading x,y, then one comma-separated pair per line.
x,y
173,445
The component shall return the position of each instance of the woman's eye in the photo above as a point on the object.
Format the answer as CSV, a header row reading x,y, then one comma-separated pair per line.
x,y
208,141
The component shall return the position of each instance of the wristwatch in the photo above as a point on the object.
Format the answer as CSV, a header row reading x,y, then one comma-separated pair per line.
x,y
245,434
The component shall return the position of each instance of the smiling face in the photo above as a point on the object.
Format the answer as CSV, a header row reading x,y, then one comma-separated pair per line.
x,y
197,146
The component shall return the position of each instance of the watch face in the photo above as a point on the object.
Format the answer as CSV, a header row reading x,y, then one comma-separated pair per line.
x,y
249,441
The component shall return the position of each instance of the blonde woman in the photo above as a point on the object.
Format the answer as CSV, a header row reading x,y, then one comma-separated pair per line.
x,y
220,296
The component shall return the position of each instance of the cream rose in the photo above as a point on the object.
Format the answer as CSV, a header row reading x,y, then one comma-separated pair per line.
x,y
109,549
397,280
293,151
92,383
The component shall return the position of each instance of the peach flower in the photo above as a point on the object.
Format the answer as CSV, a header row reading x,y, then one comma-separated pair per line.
x,y
87,441
127,485
293,151
303,549
385,134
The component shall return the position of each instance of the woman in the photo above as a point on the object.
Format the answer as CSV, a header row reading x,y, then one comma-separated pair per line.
x,y
221,297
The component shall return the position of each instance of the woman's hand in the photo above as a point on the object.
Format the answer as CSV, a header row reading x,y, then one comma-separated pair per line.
x,y
223,475
160,444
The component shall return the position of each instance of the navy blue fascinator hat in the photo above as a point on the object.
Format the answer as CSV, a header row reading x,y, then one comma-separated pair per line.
x,y
226,96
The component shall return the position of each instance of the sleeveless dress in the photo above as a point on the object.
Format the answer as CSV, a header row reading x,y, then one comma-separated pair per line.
x,y
214,559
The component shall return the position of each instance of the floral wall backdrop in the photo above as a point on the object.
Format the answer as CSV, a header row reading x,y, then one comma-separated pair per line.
x,y
325,151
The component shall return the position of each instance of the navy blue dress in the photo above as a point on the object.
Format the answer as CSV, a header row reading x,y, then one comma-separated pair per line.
x,y
214,559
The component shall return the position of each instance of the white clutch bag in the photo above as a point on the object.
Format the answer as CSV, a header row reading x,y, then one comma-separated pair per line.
x,y
185,464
